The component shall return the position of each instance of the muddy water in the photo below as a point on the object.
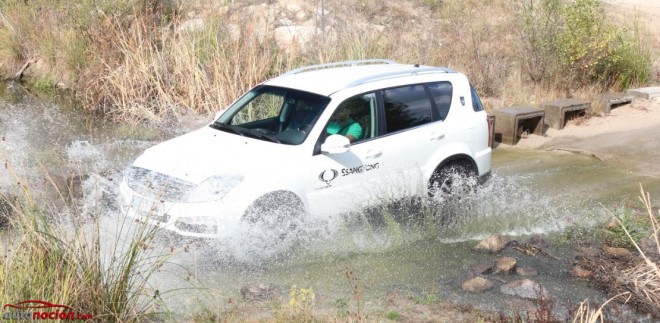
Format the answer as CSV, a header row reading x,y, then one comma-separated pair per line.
x,y
531,192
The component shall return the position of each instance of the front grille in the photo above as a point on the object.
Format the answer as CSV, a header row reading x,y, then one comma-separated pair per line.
x,y
158,186
196,228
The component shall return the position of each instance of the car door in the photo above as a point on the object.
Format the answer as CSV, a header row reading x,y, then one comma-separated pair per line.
x,y
413,129
343,182
407,130
408,134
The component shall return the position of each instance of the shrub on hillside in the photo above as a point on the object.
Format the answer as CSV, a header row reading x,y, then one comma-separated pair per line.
x,y
572,39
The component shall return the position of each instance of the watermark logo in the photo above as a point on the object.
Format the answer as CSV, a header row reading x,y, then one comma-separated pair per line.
x,y
33,309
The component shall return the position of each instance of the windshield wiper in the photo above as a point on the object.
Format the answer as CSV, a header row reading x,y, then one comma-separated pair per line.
x,y
261,135
224,127
243,132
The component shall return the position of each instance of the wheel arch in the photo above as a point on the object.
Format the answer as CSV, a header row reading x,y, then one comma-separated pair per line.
x,y
449,153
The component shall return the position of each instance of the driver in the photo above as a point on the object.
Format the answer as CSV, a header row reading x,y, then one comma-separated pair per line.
x,y
342,122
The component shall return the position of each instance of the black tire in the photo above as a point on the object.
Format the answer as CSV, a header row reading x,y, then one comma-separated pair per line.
x,y
273,221
452,180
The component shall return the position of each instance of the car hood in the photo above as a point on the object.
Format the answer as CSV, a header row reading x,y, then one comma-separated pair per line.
x,y
206,152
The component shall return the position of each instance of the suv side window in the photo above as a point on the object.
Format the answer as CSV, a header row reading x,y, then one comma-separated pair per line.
x,y
354,118
476,102
442,93
406,107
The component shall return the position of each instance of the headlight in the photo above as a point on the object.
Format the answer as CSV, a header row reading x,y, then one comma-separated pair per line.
x,y
214,188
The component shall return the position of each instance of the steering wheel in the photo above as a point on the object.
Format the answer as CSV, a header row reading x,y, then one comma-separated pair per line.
x,y
304,128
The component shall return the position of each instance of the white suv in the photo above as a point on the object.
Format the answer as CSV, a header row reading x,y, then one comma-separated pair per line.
x,y
315,141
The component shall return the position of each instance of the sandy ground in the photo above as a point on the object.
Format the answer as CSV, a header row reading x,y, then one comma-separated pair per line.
x,y
628,137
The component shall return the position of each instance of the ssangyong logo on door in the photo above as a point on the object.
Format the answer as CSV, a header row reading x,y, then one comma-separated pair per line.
x,y
42,310
328,175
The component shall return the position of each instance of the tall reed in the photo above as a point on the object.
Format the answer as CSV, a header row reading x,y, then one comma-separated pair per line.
x,y
66,258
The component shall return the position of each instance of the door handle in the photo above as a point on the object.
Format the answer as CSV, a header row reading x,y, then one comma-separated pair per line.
x,y
437,135
373,154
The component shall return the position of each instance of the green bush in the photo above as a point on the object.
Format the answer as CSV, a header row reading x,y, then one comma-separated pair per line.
x,y
575,37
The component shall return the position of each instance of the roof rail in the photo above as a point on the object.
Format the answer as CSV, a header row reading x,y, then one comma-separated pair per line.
x,y
339,64
400,73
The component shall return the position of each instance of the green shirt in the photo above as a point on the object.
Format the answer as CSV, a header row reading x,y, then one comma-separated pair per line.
x,y
351,127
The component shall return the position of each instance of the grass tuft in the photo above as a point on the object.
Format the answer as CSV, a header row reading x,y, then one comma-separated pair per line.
x,y
65,258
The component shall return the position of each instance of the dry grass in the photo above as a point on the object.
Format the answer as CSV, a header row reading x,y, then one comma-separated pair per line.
x,y
584,314
636,277
133,61
644,277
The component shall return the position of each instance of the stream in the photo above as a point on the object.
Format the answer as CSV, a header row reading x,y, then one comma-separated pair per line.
x,y
48,141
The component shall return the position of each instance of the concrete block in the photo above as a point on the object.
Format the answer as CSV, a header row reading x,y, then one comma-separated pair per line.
x,y
558,112
513,121
648,93
605,102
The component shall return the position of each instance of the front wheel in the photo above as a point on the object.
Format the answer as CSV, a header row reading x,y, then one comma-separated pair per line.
x,y
271,224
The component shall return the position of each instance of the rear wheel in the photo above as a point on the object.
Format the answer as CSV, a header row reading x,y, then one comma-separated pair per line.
x,y
448,186
452,180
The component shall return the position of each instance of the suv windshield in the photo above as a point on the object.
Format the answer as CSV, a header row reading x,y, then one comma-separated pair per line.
x,y
274,114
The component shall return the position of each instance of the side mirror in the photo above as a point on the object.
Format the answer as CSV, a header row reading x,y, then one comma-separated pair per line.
x,y
336,144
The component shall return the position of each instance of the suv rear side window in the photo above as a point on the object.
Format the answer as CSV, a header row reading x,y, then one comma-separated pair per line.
x,y
476,102
406,107
441,93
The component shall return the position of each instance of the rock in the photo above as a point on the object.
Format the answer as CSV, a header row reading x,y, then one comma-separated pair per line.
x,y
293,8
504,265
617,252
580,272
526,271
258,292
477,285
288,36
191,25
493,244
524,288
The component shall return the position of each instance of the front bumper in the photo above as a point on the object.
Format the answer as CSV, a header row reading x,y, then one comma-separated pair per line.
x,y
202,220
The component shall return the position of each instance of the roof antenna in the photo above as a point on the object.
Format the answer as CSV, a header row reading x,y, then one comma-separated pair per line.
x,y
416,65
